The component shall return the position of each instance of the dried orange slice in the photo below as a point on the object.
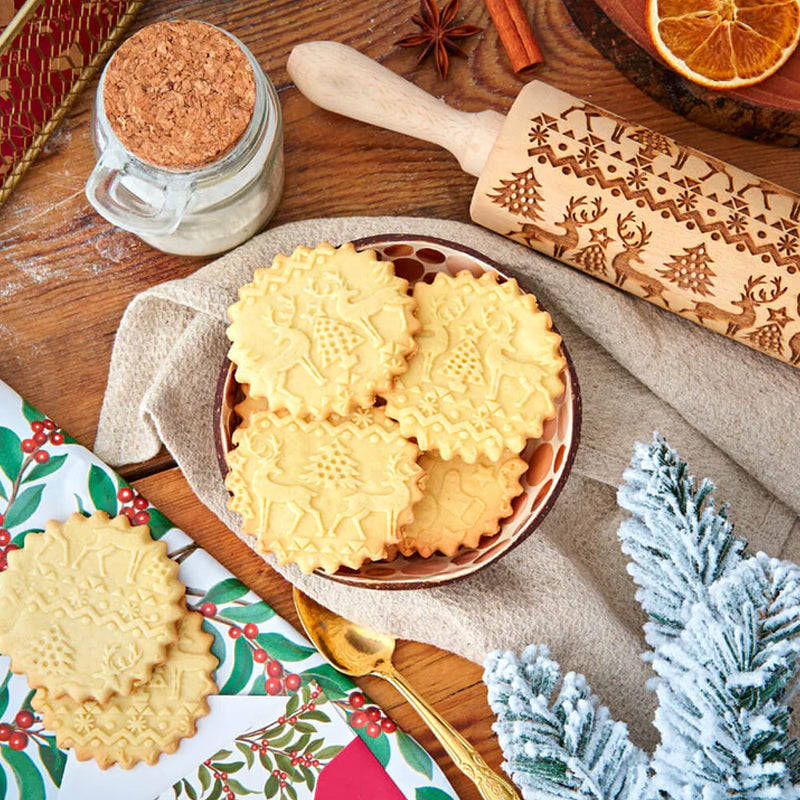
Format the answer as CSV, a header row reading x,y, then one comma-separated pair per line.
x,y
724,44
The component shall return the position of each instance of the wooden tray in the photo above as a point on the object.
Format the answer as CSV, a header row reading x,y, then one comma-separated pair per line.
x,y
767,112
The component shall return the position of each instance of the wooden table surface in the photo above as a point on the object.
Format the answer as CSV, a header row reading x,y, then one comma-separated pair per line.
x,y
66,275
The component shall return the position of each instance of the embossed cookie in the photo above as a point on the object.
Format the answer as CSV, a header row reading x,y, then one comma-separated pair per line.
x,y
461,502
89,607
322,330
486,372
323,493
248,406
150,721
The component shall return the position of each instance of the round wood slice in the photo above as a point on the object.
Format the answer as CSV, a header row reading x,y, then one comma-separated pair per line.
x,y
767,112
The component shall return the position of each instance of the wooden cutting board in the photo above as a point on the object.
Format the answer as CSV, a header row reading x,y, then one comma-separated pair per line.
x,y
767,112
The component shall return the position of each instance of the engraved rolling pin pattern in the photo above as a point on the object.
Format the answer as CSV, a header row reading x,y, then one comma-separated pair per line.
x,y
665,222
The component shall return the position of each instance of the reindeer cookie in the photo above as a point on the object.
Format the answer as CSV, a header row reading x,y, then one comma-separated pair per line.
x,y
89,607
487,371
461,502
323,493
322,331
149,722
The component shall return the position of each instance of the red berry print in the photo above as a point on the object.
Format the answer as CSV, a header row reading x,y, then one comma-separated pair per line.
x,y
5,537
42,457
28,446
37,426
357,699
208,609
40,437
24,718
274,686
12,547
141,518
274,669
358,719
293,682
125,494
234,632
388,725
373,730
373,714
281,720
2,519
129,513
259,656
18,740
56,438
254,747
49,425
5,732
293,720
250,630
139,503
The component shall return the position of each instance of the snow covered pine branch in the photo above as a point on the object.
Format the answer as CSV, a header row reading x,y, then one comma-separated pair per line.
x,y
724,628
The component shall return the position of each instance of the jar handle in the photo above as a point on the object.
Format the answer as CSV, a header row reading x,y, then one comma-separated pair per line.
x,y
120,204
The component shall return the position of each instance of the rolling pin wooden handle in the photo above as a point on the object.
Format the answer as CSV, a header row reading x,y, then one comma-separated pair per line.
x,y
342,80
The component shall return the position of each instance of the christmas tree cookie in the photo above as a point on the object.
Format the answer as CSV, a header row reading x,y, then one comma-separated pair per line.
x,y
461,502
89,607
486,373
152,719
322,331
323,493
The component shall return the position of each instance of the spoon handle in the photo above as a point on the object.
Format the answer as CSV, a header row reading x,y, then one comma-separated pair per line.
x,y
464,755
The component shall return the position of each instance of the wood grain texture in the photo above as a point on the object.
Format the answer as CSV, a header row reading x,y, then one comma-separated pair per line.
x,y
767,112
66,275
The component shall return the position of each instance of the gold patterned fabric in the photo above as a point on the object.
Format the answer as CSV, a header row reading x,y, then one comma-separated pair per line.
x,y
49,51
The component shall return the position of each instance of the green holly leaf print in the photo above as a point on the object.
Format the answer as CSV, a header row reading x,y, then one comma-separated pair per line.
x,y
10,453
280,647
379,746
189,790
158,523
431,793
242,668
218,649
333,683
225,591
103,491
205,778
29,781
414,755
23,506
237,787
4,697
255,612
272,786
30,412
42,470
54,760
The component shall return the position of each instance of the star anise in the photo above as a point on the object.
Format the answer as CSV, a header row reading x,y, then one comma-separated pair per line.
x,y
438,33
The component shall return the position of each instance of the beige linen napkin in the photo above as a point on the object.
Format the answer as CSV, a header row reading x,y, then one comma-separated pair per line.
x,y
728,410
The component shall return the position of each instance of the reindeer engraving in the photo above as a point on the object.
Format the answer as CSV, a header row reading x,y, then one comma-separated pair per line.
x,y
748,302
575,217
633,242
765,187
291,346
587,111
717,168
435,336
794,342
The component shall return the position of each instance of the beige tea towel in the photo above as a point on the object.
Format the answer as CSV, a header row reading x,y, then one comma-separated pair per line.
x,y
729,411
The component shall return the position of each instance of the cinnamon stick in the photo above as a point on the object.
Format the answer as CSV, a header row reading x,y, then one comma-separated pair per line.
x,y
516,34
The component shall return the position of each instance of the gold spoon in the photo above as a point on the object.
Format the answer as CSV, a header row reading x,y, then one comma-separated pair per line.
x,y
358,651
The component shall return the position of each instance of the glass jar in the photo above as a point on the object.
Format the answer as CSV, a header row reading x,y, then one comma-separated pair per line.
x,y
193,212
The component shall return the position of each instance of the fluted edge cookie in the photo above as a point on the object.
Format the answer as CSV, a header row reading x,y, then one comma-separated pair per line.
x,y
461,502
322,331
89,606
486,373
150,721
323,493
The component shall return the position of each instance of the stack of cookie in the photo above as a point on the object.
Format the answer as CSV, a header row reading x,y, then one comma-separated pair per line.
x,y
359,395
92,612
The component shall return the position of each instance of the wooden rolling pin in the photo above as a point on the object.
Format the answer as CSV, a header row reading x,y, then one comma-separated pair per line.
x,y
625,204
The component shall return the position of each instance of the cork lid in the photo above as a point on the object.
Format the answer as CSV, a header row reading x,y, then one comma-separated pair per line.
x,y
179,94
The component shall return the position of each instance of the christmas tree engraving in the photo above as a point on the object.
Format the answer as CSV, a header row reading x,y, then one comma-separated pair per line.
x,y
464,364
51,652
650,143
769,338
520,195
332,467
592,258
691,270
334,339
